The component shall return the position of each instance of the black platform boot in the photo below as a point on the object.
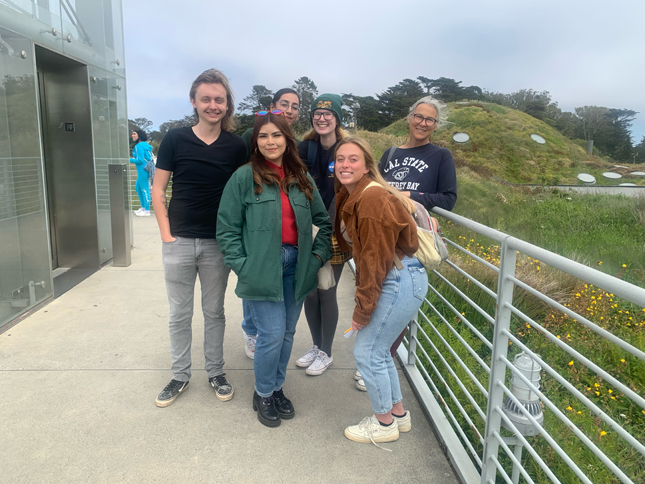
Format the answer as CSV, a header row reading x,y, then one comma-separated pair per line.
x,y
283,405
267,413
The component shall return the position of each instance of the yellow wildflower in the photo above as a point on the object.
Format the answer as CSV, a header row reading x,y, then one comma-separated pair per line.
x,y
571,363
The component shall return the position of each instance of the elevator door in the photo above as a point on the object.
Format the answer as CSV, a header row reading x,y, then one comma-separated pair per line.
x,y
68,165
48,180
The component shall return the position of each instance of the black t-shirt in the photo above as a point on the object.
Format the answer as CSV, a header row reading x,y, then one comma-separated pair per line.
x,y
322,171
199,174
427,172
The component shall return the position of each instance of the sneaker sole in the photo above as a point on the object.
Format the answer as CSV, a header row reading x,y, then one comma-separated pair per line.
x,y
363,389
365,440
165,403
225,398
268,423
404,427
318,372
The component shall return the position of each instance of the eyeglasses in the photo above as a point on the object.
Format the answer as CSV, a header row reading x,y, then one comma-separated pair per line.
x,y
323,114
419,119
285,105
264,113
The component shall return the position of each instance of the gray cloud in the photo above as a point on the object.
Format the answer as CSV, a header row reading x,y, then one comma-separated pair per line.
x,y
583,52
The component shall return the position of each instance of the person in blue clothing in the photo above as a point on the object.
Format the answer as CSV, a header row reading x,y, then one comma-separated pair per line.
x,y
141,154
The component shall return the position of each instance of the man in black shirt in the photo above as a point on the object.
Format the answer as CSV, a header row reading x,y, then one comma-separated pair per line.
x,y
201,160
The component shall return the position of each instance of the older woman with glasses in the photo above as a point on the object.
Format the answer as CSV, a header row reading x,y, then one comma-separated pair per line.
x,y
264,229
420,170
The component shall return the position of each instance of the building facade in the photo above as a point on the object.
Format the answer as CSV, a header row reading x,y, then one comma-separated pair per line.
x,y
63,119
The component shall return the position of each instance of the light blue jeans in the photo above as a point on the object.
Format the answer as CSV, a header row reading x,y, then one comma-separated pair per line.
x,y
401,297
276,325
183,260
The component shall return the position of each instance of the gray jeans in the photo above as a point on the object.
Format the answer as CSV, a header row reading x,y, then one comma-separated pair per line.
x,y
183,259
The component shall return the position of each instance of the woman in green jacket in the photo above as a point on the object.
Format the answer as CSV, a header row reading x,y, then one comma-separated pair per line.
x,y
264,229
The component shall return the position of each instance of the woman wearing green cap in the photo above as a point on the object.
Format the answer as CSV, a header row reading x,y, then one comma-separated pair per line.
x,y
317,149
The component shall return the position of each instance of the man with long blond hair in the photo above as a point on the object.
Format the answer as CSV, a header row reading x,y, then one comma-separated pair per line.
x,y
201,160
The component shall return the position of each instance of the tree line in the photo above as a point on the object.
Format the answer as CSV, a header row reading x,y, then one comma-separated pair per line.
x,y
608,127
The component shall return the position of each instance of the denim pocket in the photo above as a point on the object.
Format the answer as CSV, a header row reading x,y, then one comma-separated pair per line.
x,y
170,243
419,282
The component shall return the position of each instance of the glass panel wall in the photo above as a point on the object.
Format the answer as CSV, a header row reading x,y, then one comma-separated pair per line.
x,y
102,157
25,261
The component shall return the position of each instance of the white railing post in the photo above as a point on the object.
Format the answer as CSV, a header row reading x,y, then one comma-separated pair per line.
x,y
497,367
412,342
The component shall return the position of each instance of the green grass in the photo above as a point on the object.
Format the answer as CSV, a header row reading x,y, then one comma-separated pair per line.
x,y
602,231
500,145
619,317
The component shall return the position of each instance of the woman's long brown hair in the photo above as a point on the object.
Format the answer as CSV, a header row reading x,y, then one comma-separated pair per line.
x,y
294,169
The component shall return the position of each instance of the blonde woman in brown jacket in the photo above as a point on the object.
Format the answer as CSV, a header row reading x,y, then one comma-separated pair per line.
x,y
374,220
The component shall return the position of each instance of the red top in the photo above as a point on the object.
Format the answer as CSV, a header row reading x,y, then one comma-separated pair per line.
x,y
289,228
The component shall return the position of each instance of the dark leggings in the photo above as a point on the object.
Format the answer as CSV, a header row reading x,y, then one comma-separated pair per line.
x,y
321,309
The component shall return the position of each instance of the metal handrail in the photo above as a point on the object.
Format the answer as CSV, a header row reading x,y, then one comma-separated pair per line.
x,y
419,354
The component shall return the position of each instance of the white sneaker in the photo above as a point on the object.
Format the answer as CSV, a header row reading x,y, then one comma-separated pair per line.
x,y
357,375
360,384
309,357
371,430
320,364
139,211
404,423
249,346
143,213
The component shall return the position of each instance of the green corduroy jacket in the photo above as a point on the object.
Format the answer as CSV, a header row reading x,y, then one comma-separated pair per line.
x,y
249,234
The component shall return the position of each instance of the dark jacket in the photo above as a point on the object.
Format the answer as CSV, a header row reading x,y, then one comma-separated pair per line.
x,y
249,234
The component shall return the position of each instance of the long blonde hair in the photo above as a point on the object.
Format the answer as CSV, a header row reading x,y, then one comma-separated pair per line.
x,y
312,135
373,173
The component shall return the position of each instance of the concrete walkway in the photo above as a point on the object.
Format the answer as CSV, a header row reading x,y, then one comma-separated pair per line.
x,y
78,381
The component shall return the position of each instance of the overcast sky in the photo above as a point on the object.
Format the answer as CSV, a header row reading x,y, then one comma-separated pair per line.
x,y
584,52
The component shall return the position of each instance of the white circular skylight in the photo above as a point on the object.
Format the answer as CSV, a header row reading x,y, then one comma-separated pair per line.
x,y
538,139
587,178
460,137
612,175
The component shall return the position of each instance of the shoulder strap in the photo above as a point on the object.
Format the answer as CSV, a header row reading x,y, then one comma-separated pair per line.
x,y
372,184
390,155
312,152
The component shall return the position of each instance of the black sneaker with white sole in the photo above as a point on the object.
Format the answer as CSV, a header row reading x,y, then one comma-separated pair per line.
x,y
223,389
170,393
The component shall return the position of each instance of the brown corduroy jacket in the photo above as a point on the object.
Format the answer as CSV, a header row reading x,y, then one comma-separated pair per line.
x,y
378,226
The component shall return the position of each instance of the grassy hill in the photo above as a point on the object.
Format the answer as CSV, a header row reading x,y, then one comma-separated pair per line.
x,y
602,231
500,145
